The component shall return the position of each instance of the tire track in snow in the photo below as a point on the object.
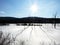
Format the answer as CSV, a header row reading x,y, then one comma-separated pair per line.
x,y
47,34
51,34
21,31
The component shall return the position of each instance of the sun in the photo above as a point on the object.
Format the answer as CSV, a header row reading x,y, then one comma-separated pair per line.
x,y
34,8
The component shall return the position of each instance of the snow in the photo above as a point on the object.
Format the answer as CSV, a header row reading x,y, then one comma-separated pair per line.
x,y
35,35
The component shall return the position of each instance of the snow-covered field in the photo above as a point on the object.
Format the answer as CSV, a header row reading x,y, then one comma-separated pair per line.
x,y
34,35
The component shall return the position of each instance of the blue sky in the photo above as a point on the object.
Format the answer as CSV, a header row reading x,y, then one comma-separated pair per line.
x,y
21,8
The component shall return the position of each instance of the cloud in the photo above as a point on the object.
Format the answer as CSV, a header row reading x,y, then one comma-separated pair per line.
x,y
2,12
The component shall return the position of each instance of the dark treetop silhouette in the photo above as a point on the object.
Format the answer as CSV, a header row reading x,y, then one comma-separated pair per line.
x,y
29,20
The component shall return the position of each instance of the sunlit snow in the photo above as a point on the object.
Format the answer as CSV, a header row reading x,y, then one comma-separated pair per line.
x,y
35,35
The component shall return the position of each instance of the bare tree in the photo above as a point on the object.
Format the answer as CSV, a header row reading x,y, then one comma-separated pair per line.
x,y
55,20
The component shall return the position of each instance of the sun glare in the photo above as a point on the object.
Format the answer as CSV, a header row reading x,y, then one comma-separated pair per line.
x,y
34,8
